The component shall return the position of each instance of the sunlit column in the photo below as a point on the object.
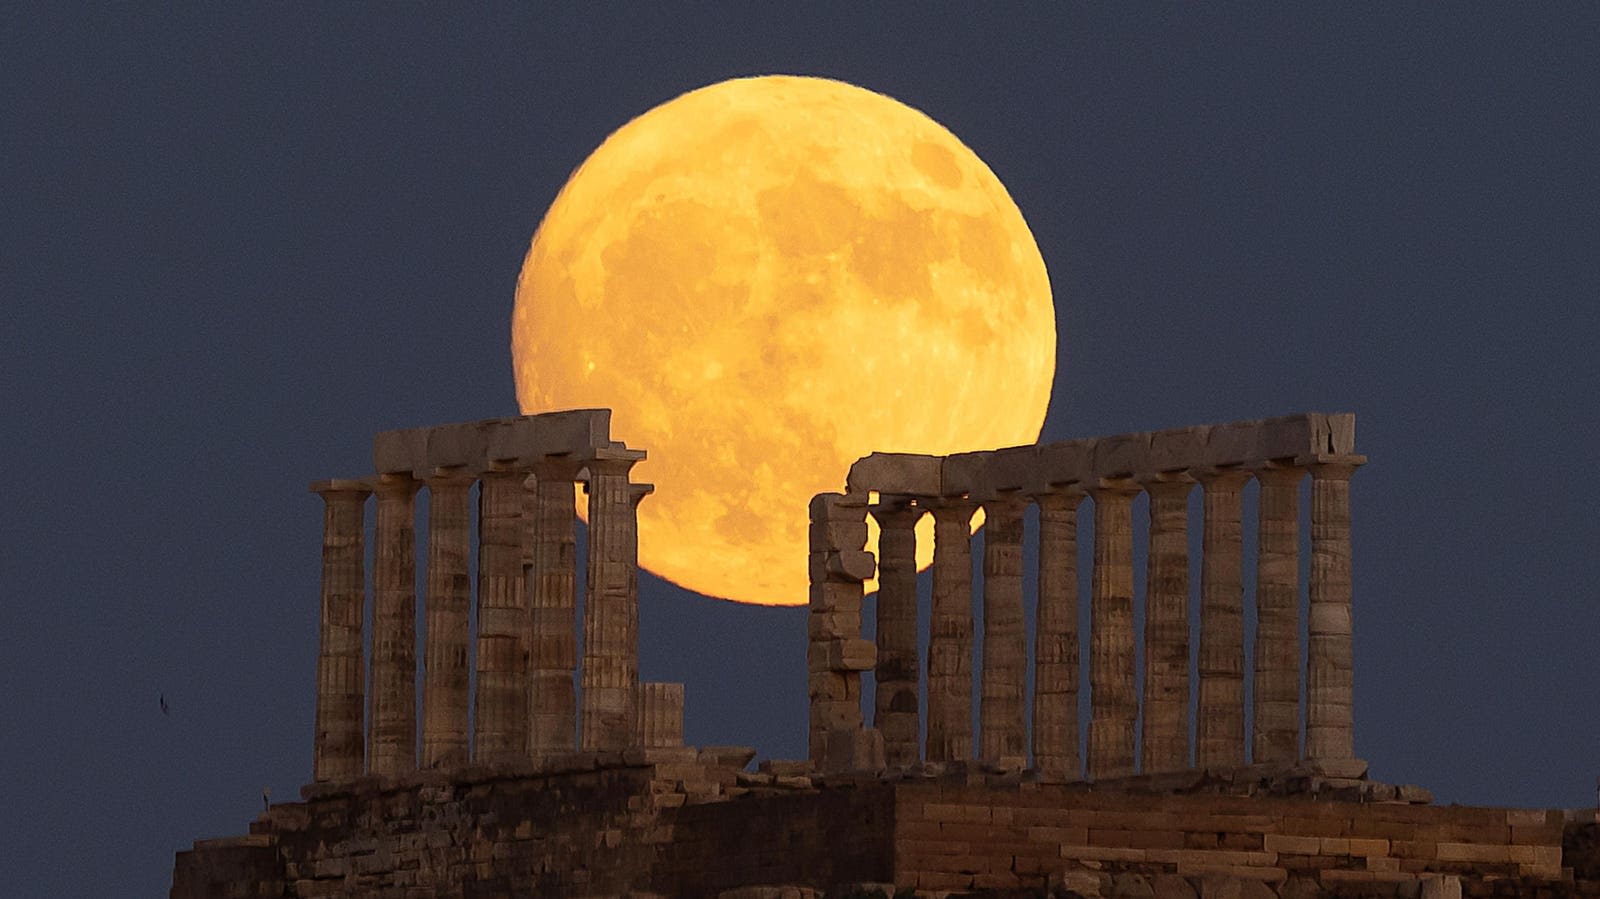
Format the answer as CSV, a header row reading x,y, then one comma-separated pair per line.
x,y
1329,672
393,718
1220,720
610,610
500,710
1055,655
338,751
1275,729
446,644
1002,729
552,585
895,698
950,633
1112,702
1165,745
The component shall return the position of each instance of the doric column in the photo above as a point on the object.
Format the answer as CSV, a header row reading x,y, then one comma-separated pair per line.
x,y
1275,732
610,609
895,698
393,717
835,653
1220,720
338,751
552,585
950,633
1165,745
1112,702
1055,653
1002,728
500,710
1329,672
448,606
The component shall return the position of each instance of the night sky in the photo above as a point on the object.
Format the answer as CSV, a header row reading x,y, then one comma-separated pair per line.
x,y
238,240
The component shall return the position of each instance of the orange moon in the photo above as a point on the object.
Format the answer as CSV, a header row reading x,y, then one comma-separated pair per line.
x,y
766,279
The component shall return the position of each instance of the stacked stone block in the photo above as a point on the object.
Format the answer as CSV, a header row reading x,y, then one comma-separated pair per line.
x,y
836,654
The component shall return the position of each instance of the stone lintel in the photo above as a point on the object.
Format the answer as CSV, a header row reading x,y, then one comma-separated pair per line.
x,y
1303,439
512,443
902,473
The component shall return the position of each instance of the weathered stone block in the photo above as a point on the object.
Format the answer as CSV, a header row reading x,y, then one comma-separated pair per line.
x,y
903,473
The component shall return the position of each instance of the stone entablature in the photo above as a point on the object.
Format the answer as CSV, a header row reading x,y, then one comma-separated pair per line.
x,y
524,650
896,489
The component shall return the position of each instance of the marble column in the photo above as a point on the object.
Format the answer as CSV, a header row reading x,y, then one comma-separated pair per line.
x,y
950,633
446,647
1002,727
1329,677
1219,742
1275,731
895,711
1165,745
338,751
1112,702
610,610
552,585
1055,653
500,708
393,713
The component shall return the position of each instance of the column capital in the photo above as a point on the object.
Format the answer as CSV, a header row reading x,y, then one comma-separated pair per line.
x,y
1213,479
1115,487
896,512
1012,501
1060,496
395,485
949,508
453,476
1333,468
556,468
1167,483
335,487
637,493
1280,472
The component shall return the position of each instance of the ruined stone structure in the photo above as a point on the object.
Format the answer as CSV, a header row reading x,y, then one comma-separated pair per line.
x,y
523,656
897,489
552,797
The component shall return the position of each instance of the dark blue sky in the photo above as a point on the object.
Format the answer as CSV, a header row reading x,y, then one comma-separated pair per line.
x,y
238,240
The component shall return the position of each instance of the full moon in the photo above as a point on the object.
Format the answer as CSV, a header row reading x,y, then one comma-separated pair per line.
x,y
766,279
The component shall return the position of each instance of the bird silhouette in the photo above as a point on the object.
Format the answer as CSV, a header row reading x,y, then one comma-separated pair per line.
x,y
165,709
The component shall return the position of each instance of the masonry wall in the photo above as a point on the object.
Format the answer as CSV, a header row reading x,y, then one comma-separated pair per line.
x,y
965,837
673,823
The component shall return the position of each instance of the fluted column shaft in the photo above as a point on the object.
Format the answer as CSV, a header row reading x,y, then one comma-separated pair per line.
x,y
895,698
1329,672
552,585
500,719
1055,656
1002,730
393,717
1220,721
610,613
950,633
448,605
338,751
1165,745
1112,702
1276,698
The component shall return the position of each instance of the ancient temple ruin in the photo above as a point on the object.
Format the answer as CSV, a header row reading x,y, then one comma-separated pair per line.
x,y
898,489
538,792
524,651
